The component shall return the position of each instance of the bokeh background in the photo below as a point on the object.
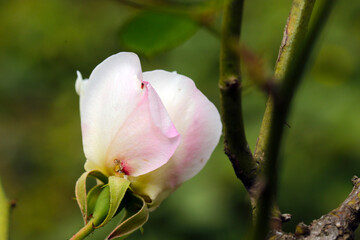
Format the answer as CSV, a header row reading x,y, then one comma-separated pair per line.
x,y
43,43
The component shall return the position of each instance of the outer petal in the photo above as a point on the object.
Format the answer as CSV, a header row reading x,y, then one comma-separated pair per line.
x,y
198,122
118,119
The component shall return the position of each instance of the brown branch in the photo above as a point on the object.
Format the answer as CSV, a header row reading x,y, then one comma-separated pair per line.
x,y
340,223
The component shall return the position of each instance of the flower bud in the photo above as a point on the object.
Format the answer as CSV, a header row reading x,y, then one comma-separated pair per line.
x,y
153,129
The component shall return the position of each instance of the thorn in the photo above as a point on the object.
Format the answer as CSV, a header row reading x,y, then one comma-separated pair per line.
x,y
12,204
285,217
355,180
89,217
288,125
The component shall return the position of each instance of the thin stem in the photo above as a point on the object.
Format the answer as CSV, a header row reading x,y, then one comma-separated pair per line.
x,y
84,232
294,35
280,109
236,146
296,70
4,214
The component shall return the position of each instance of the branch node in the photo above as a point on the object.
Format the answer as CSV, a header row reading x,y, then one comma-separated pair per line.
x,y
355,180
285,217
232,83
13,204
302,230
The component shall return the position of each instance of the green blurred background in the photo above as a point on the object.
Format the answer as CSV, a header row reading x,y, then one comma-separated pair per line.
x,y
43,43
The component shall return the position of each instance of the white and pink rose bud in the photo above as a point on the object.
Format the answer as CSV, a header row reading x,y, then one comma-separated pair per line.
x,y
154,129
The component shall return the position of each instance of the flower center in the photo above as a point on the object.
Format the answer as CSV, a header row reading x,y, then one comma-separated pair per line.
x,y
118,167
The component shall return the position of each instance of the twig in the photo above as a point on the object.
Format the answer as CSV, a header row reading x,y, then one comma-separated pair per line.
x,y
294,35
236,146
290,75
274,118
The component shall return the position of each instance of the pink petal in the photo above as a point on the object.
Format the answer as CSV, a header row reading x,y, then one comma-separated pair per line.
x,y
147,139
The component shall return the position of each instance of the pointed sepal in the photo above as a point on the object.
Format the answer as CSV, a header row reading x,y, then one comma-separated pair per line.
x,y
80,191
136,215
92,198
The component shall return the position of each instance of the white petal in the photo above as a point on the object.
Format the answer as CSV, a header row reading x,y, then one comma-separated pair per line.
x,y
198,122
194,116
80,83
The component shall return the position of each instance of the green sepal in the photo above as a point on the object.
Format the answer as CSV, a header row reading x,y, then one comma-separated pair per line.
x,y
117,189
136,215
80,191
92,197
101,207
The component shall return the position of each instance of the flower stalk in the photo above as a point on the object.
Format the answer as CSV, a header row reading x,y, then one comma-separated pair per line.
x,y
100,212
84,232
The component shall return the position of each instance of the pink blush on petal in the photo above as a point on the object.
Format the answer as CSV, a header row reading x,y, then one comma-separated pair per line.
x,y
172,131
121,168
126,169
